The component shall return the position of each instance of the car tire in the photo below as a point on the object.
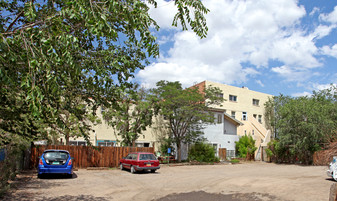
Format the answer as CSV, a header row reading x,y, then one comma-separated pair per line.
x,y
132,170
121,166
334,175
153,171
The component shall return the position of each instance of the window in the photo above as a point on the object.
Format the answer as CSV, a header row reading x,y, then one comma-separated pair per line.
x,y
233,114
220,95
233,98
253,132
78,143
244,116
256,102
105,143
260,119
219,118
255,115
102,109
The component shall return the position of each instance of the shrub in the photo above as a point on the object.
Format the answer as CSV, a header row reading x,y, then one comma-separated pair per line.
x,y
245,145
202,152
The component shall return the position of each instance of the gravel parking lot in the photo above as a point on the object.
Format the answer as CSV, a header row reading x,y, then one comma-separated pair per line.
x,y
248,181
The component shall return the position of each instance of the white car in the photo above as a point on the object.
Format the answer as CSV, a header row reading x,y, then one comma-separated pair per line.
x,y
332,171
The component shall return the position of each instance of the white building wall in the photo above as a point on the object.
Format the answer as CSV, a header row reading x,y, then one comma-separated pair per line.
x,y
216,134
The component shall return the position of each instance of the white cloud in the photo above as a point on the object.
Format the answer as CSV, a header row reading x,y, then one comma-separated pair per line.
x,y
301,94
164,13
331,51
314,11
253,32
291,74
259,82
331,17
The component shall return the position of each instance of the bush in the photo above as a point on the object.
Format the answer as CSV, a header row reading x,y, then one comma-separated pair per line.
x,y
245,145
202,152
12,165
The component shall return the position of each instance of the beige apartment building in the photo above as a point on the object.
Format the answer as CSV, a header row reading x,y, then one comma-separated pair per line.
x,y
105,135
246,106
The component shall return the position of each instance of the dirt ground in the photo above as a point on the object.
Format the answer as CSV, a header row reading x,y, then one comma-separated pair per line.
x,y
253,181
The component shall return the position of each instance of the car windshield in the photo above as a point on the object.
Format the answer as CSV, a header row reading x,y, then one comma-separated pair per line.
x,y
147,157
56,155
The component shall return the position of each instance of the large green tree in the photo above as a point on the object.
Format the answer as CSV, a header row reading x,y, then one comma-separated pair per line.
x,y
53,50
186,110
303,124
132,116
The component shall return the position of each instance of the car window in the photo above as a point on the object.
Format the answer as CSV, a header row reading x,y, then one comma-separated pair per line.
x,y
147,157
129,156
134,156
56,155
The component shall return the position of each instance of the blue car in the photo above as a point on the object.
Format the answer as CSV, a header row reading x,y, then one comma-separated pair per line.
x,y
55,162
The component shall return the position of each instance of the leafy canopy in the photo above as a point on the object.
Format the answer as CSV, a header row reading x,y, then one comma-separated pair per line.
x,y
186,110
303,124
53,50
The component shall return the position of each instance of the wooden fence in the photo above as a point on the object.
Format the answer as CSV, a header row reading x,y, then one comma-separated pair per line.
x,y
85,156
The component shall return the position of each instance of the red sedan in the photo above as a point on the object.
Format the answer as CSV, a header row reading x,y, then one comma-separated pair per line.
x,y
139,161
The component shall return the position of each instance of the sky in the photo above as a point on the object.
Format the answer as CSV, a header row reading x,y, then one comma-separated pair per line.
x,y
276,47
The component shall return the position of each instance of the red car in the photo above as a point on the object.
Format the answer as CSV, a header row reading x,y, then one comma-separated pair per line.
x,y
139,161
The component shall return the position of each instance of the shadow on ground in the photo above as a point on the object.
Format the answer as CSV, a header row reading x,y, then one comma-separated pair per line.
x,y
201,195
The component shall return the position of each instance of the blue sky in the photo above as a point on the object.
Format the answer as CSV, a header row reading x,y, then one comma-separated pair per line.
x,y
272,46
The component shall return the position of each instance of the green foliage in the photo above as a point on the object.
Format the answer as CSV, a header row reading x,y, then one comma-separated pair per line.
x,y
52,51
235,161
202,152
186,110
13,163
303,124
132,116
245,146
165,144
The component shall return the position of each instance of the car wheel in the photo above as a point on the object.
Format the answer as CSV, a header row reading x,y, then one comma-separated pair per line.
x,y
121,166
133,170
334,175
153,171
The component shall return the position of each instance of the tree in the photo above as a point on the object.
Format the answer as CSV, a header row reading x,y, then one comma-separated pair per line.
x,y
53,49
246,146
132,116
304,124
186,110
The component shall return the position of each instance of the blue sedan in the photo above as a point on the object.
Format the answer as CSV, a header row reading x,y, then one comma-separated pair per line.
x,y
55,162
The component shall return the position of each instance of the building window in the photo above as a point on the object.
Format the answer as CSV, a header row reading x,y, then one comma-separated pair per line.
x,y
78,143
233,98
105,143
255,116
220,95
244,116
233,115
260,119
219,118
142,144
256,102
253,132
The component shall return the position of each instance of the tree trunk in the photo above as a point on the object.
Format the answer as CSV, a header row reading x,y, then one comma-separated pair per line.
x,y
66,136
179,151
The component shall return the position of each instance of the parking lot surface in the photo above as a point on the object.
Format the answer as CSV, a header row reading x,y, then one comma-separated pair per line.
x,y
247,181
